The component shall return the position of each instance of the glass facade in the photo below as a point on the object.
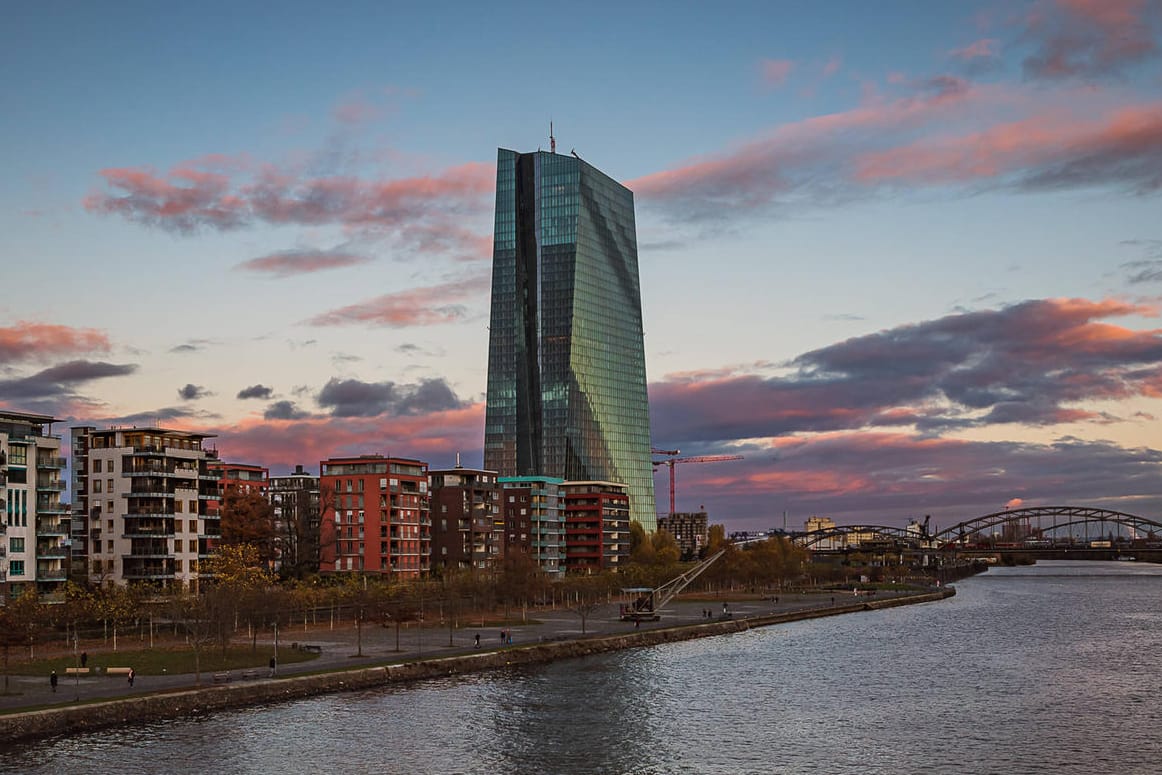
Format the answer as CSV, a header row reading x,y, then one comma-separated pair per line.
x,y
566,361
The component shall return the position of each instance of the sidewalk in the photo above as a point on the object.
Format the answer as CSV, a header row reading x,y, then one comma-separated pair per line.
x,y
339,647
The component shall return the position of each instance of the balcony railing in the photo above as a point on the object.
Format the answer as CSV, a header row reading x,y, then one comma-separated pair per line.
x,y
57,485
52,553
46,527
46,463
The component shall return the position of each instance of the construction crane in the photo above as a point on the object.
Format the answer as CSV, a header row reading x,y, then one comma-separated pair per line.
x,y
697,459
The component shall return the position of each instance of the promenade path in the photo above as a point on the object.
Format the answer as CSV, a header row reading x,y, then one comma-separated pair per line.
x,y
339,647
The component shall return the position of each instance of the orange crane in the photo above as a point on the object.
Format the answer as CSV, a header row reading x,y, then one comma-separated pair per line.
x,y
697,459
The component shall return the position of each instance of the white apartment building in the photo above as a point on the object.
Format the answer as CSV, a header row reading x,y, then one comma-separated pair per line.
x,y
143,505
34,525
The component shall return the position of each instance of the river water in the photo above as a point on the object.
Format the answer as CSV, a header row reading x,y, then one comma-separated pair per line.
x,y
1051,668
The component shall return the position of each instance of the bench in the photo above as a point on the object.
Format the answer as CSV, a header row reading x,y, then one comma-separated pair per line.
x,y
76,671
117,670
221,678
250,674
311,648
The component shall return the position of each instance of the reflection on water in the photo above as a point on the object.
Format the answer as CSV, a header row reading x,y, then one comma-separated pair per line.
x,y
1037,669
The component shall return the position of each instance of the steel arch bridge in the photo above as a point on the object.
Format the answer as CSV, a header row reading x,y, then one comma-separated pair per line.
x,y
1023,523
1063,518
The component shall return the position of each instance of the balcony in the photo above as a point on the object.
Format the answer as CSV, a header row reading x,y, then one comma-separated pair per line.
x,y
52,508
52,553
56,574
52,485
50,463
51,527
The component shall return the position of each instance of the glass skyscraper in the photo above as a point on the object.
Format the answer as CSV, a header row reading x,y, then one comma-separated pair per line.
x,y
566,362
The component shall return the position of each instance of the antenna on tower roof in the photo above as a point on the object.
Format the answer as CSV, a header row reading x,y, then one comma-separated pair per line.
x,y
552,140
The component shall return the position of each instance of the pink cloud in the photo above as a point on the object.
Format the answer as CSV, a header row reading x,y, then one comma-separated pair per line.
x,y
295,262
775,71
986,48
284,443
28,341
1049,149
191,198
432,305
832,66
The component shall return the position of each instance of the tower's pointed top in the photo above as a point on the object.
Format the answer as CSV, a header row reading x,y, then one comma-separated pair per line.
x,y
552,140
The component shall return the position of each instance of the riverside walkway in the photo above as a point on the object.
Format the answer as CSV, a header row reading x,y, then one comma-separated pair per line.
x,y
339,648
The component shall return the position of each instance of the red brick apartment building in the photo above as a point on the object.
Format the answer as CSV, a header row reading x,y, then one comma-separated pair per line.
x,y
596,526
376,516
467,525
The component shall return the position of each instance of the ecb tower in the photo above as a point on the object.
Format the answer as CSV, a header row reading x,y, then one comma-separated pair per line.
x,y
566,361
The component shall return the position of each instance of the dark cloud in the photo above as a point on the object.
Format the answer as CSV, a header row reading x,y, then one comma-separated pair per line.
x,y
1088,40
163,414
888,478
1032,363
185,348
284,410
192,392
256,391
59,382
353,398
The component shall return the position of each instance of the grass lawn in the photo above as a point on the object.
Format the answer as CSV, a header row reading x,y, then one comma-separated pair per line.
x,y
159,661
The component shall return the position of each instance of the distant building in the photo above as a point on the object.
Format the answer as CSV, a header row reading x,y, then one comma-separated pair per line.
x,y
244,477
141,500
467,525
295,499
690,529
596,526
534,520
376,516
566,365
824,523
34,529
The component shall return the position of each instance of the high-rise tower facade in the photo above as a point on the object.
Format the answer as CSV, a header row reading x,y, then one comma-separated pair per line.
x,y
566,361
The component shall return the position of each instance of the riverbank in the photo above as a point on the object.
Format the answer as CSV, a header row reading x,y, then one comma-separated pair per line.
x,y
552,644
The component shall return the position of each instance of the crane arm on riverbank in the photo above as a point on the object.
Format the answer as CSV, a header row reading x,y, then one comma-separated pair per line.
x,y
650,603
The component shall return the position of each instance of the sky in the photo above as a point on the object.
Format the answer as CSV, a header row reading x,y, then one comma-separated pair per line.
x,y
904,257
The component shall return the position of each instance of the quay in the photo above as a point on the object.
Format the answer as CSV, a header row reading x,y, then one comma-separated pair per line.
x,y
35,712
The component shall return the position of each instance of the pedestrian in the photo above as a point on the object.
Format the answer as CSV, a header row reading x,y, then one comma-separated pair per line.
x,y
273,665
510,638
52,680
132,675
502,637
637,623
724,608
477,639
84,658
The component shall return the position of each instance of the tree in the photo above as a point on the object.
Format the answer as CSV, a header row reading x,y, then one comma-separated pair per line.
x,y
585,594
115,605
18,620
237,573
297,528
520,579
248,518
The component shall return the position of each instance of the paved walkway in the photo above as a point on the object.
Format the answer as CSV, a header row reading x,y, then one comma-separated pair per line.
x,y
340,649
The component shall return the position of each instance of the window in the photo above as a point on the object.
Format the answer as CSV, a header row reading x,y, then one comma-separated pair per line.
x,y
177,566
97,466
177,507
110,525
193,544
16,567
193,507
109,547
193,526
16,544
109,485
109,507
96,485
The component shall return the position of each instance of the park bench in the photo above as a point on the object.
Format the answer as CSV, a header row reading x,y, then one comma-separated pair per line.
x,y
250,674
117,670
221,678
76,671
311,648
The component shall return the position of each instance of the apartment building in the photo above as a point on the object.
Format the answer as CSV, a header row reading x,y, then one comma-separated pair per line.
x,y
34,529
376,516
534,520
596,526
142,500
467,527
295,499
690,529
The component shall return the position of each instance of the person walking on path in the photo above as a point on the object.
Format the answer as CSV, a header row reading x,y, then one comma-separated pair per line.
x,y
84,658
273,665
52,680
477,639
131,676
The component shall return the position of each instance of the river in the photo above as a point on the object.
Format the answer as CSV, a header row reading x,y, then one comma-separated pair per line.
x,y
1049,668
